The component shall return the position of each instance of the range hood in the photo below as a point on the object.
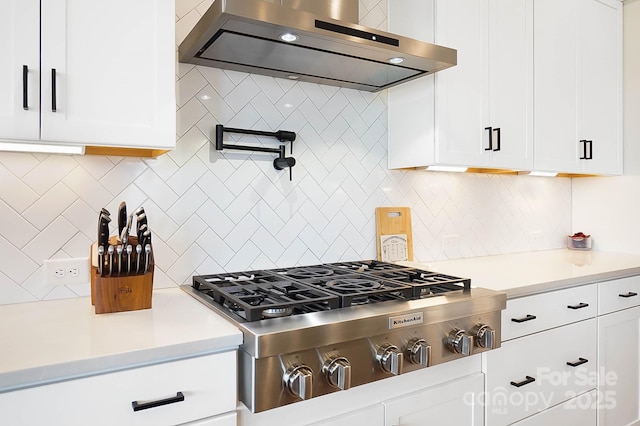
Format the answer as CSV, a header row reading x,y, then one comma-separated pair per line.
x,y
324,47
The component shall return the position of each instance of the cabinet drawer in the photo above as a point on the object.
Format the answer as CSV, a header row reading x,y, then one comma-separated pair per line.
x,y
580,410
530,374
618,294
531,314
207,383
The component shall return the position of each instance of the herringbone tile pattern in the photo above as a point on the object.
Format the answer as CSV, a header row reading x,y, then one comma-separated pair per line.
x,y
213,211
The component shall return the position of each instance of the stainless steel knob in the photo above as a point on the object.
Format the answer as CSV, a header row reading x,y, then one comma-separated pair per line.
x,y
299,381
419,352
338,372
485,336
390,358
460,342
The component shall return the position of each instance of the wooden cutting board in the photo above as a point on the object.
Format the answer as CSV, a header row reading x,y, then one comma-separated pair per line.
x,y
394,236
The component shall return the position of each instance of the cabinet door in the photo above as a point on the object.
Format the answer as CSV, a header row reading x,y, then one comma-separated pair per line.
x,y
457,402
600,93
370,416
19,48
114,72
461,91
510,83
578,86
618,359
580,410
556,146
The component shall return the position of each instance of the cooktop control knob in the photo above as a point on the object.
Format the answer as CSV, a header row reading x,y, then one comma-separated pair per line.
x,y
338,372
299,381
419,352
484,336
460,342
390,358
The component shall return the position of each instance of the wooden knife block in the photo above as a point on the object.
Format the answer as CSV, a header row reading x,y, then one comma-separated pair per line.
x,y
120,293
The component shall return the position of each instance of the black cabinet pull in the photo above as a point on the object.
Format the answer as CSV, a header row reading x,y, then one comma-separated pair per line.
x,y
497,130
580,361
578,306
25,87
590,156
630,294
529,317
53,90
584,149
490,129
526,381
137,406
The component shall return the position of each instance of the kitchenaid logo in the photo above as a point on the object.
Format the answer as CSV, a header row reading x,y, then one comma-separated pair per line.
x,y
124,290
406,320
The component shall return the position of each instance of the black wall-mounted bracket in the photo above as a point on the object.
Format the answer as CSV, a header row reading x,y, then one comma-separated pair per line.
x,y
282,135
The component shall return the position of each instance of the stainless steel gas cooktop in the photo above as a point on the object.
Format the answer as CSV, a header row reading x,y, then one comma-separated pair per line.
x,y
313,330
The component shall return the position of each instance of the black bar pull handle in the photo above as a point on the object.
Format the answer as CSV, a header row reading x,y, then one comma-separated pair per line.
x,y
590,156
580,361
526,381
629,294
584,149
137,406
529,317
53,90
497,130
490,129
578,306
25,87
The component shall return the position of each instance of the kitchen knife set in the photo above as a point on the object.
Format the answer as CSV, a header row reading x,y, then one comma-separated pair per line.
x,y
124,254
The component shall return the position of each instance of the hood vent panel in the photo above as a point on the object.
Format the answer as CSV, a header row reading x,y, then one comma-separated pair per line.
x,y
244,35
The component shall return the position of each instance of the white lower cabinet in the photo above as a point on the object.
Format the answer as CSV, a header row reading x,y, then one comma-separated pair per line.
x,y
619,356
370,416
580,410
532,373
453,403
171,393
229,419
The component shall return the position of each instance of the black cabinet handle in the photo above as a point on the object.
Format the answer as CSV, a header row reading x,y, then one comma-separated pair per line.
x,y
584,149
137,406
53,90
630,294
529,317
526,381
497,130
580,361
490,129
590,156
578,306
25,87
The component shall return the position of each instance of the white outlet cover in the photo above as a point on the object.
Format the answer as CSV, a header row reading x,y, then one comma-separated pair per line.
x,y
52,279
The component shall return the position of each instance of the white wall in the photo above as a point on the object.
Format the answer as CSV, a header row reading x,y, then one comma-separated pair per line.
x,y
211,212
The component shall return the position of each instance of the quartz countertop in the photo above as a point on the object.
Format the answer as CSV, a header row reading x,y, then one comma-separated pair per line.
x,y
44,342
523,274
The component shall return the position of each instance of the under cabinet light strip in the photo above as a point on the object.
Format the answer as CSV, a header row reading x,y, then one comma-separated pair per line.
x,y
41,148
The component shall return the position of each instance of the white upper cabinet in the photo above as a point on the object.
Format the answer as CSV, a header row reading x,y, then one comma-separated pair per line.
x,y
578,86
19,69
478,113
99,73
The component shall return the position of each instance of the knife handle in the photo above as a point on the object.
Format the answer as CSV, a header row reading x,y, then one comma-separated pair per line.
x,y
122,217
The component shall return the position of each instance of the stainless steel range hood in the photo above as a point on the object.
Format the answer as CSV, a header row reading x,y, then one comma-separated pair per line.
x,y
245,35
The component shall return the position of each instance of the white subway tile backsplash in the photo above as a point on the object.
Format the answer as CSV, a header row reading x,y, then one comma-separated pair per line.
x,y
215,211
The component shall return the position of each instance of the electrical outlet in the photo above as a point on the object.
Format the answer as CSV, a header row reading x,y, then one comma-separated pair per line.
x,y
450,242
535,239
66,271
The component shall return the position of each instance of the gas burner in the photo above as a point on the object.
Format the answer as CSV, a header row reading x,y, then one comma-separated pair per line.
x,y
354,284
277,312
308,272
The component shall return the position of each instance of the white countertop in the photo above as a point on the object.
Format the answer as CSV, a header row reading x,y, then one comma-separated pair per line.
x,y
523,274
44,342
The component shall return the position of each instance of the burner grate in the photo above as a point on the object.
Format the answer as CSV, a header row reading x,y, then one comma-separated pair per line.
x,y
356,288
426,283
255,299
